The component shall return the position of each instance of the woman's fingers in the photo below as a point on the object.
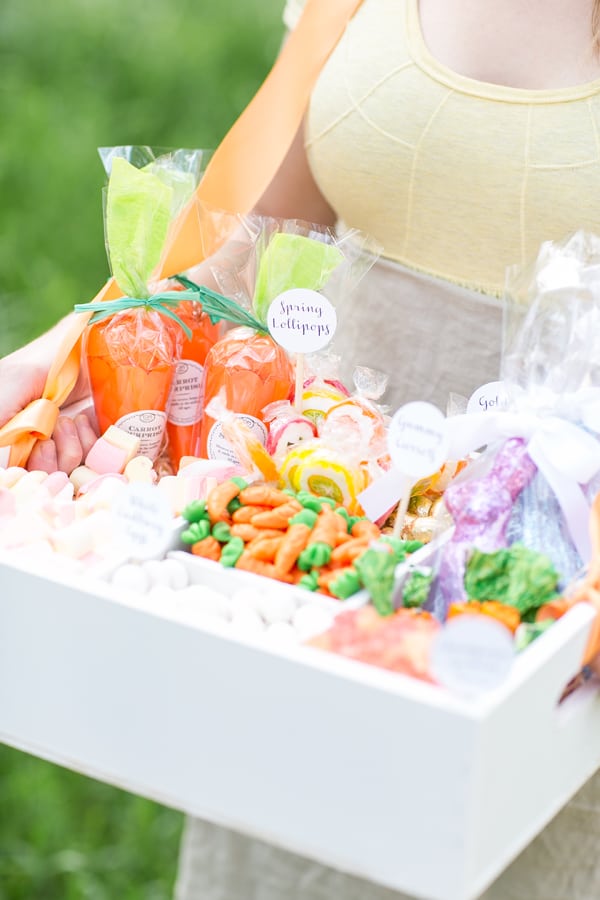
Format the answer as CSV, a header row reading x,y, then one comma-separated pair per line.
x,y
69,452
87,435
43,457
70,444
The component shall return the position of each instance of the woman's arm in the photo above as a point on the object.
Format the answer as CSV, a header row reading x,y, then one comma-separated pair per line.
x,y
293,192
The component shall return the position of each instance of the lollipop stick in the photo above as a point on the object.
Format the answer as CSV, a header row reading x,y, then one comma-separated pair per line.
x,y
401,513
299,388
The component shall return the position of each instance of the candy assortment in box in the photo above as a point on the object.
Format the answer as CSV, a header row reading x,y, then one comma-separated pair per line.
x,y
263,487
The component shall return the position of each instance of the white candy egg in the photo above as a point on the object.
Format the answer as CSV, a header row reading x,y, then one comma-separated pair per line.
x,y
177,572
131,577
197,597
156,572
247,621
276,607
311,619
246,598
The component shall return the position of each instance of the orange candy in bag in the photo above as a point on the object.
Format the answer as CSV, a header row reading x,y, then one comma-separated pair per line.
x,y
130,360
252,371
186,401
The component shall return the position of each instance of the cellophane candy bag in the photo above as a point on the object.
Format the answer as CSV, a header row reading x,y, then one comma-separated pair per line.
x,y
132,348
186,402
534,484
252,369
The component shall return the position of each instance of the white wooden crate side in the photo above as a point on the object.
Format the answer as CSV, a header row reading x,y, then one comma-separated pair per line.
x,y
324,764
533,755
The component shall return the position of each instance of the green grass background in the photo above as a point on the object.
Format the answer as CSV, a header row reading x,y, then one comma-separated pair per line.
x,y
76,75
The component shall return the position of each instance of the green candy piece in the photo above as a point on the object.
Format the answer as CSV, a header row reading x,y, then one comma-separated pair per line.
x,y
195,511
314,556
516,576
310,501
196,532
345,585
376,569
233,505
309,582
231,552
221,532
292,261
416,589
241,483
306,517
331,502
343,512
400,549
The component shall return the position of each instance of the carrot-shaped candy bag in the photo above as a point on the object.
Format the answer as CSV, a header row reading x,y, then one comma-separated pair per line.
x,y
133,344
252,368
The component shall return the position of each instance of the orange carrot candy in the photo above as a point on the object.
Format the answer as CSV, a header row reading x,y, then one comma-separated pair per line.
x,y
245,531
278,517
264,495
243,514
321,541
248,563
364,528
220,497
265,548
293,543
348,551
208,548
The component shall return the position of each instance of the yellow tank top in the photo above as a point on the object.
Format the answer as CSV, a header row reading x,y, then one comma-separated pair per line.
x,y
454,177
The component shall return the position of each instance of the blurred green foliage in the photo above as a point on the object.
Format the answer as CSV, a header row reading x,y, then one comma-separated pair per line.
x,y
81,74
77,75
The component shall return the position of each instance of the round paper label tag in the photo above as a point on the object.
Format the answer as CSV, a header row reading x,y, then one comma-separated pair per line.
x,y
472,654
301,321
185,399
143,521
417,439
488,398
149,426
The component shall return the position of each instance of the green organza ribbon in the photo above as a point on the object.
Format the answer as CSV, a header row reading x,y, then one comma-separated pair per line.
x,y
218,307
162,303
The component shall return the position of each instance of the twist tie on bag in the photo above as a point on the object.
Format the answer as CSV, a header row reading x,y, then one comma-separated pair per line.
x,y
218,307
162,302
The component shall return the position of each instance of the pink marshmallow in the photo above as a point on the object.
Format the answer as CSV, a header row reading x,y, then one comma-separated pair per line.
x,y
8,503
105,458
55,482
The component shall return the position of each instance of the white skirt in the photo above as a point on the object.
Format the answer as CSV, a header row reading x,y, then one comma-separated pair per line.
x,y
562,863
433,339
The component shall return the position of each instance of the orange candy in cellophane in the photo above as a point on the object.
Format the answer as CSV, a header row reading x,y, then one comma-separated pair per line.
x,y
186,401
130,361
246,370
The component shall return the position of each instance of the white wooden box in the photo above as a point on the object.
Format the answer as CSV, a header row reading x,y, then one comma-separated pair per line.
x,y
371,772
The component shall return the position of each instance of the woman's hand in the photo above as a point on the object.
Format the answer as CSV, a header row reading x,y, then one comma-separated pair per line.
x,y
22,379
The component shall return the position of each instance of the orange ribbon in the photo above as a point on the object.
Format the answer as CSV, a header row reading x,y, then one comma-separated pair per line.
x,y
239,172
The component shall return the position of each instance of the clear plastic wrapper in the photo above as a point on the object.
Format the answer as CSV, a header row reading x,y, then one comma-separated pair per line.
x,y
535,482
266,258
134,344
